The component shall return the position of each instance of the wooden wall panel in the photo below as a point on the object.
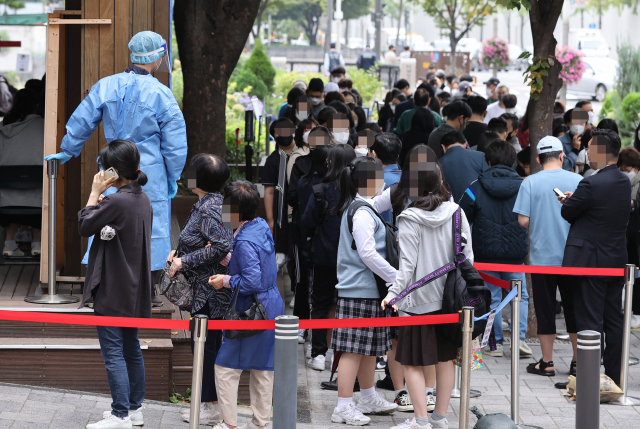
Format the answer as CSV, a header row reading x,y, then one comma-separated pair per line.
x,y
122,34
60,203
162,26
140,21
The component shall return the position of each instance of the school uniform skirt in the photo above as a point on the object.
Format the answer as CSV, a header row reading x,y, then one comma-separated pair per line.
x,y
360,341
420,345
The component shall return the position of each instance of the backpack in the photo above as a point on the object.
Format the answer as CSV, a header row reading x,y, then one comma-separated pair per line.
x,y
463,288
391,240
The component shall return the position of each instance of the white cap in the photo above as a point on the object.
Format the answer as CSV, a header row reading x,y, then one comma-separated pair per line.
x,y
331,87
549,144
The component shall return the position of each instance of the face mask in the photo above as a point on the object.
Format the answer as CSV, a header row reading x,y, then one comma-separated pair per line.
x,y
489,92
284,141
341,138
630,174
315,100
305,137
510,110
393,110
463,126
500,96
302,115
355,124
361,152
335,79
576,129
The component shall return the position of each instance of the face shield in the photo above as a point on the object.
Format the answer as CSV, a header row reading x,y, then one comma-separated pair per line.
x,y
163,52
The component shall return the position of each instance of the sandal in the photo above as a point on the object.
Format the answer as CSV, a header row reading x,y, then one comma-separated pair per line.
x,y
572,368
542,368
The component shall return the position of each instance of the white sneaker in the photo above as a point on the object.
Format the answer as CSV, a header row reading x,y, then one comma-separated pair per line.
x,y
36,249
505,325
317,363
292,303
251,425
635,321
112,422
403,400
308,352
525,350
208,414
431,403
376,404
498,352
136,417
301,336
8,251
439,424
350,415
411,424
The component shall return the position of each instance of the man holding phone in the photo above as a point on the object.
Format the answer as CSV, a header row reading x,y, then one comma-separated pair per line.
x,y
539,210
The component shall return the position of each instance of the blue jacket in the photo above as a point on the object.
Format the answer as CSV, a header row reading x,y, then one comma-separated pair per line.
x,y
461,167
392,174
570,157
366,60
253,269
138,108
497,236
327,235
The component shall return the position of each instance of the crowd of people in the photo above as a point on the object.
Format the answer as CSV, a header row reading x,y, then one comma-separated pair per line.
x,y
436,152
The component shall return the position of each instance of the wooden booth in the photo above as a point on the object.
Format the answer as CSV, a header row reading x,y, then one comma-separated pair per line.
x,y
86,42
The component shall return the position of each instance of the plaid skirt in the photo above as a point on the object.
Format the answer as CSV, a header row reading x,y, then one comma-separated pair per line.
x,y
360,341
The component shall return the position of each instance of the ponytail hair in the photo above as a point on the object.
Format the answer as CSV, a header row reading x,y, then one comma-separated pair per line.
x,y
123,156
355,176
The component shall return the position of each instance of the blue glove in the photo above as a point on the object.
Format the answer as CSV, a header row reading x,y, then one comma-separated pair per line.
x,y
63,157
173,189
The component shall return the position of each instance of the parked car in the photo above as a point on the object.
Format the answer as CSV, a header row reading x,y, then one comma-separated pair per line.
x,y
597,79
515,62
300,42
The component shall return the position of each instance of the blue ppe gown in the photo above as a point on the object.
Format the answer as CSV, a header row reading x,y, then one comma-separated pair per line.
x,y
140,109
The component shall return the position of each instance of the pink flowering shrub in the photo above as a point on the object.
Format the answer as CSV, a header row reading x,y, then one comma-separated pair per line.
x,y
572,65
495,51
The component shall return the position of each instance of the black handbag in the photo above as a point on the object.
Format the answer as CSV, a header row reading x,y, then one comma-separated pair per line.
x,y
255,312
178,289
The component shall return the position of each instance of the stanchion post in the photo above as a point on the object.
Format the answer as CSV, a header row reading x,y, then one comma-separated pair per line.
x,y
629,276
465,382
515,352
588,380
285,377
52,297
199,329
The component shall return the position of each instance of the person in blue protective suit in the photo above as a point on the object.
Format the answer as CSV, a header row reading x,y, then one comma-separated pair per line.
x,y
135,106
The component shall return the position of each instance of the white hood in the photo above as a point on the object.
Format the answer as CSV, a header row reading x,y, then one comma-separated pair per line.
x,y
432,219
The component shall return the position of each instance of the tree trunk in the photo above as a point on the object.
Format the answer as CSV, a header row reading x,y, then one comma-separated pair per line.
x,y
312,37
210,35
600,18
544,16
398,32
522,32
346,33
452,60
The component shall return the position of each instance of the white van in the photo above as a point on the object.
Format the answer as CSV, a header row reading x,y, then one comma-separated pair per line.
x,y
590,41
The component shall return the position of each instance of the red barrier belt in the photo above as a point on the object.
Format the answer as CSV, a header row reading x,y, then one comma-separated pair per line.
x,y
175,325
495,281
534,269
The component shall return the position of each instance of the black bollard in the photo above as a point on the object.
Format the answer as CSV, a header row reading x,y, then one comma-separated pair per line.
x,y
588,380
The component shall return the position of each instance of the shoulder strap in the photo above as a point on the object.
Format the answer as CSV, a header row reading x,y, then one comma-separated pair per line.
x,y
457,232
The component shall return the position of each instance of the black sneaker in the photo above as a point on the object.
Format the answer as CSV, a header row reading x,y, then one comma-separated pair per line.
x,y
403,400
385,383
381,364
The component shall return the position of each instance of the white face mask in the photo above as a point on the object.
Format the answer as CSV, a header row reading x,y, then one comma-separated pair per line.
x,y
355,124
489,92
335,79
576,129
315,100
393,110
305,137
302,115
630,174
341,138
511,110
361,152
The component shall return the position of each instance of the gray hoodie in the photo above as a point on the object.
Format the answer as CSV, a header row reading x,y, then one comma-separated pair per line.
x,y
426,244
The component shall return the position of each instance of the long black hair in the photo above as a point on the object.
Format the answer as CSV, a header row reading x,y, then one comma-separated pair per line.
x,y
337,159
355,176
293,96
318,154
421,167
24,103
298,136
123,156
362,118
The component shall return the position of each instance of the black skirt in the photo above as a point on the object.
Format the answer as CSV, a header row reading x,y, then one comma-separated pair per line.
x,y
420,345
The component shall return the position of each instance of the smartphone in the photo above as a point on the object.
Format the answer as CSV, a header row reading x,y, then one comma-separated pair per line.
x,y
110,173
558,192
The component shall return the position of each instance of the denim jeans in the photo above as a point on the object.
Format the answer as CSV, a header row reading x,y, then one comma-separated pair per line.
x,y
496,299
122,357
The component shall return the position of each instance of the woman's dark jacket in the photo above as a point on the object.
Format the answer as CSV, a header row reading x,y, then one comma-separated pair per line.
x,y
205,226
327,227
301,167
119,270
497,236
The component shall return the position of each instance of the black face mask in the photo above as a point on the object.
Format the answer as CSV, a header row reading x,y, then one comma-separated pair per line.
x,y
284,141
